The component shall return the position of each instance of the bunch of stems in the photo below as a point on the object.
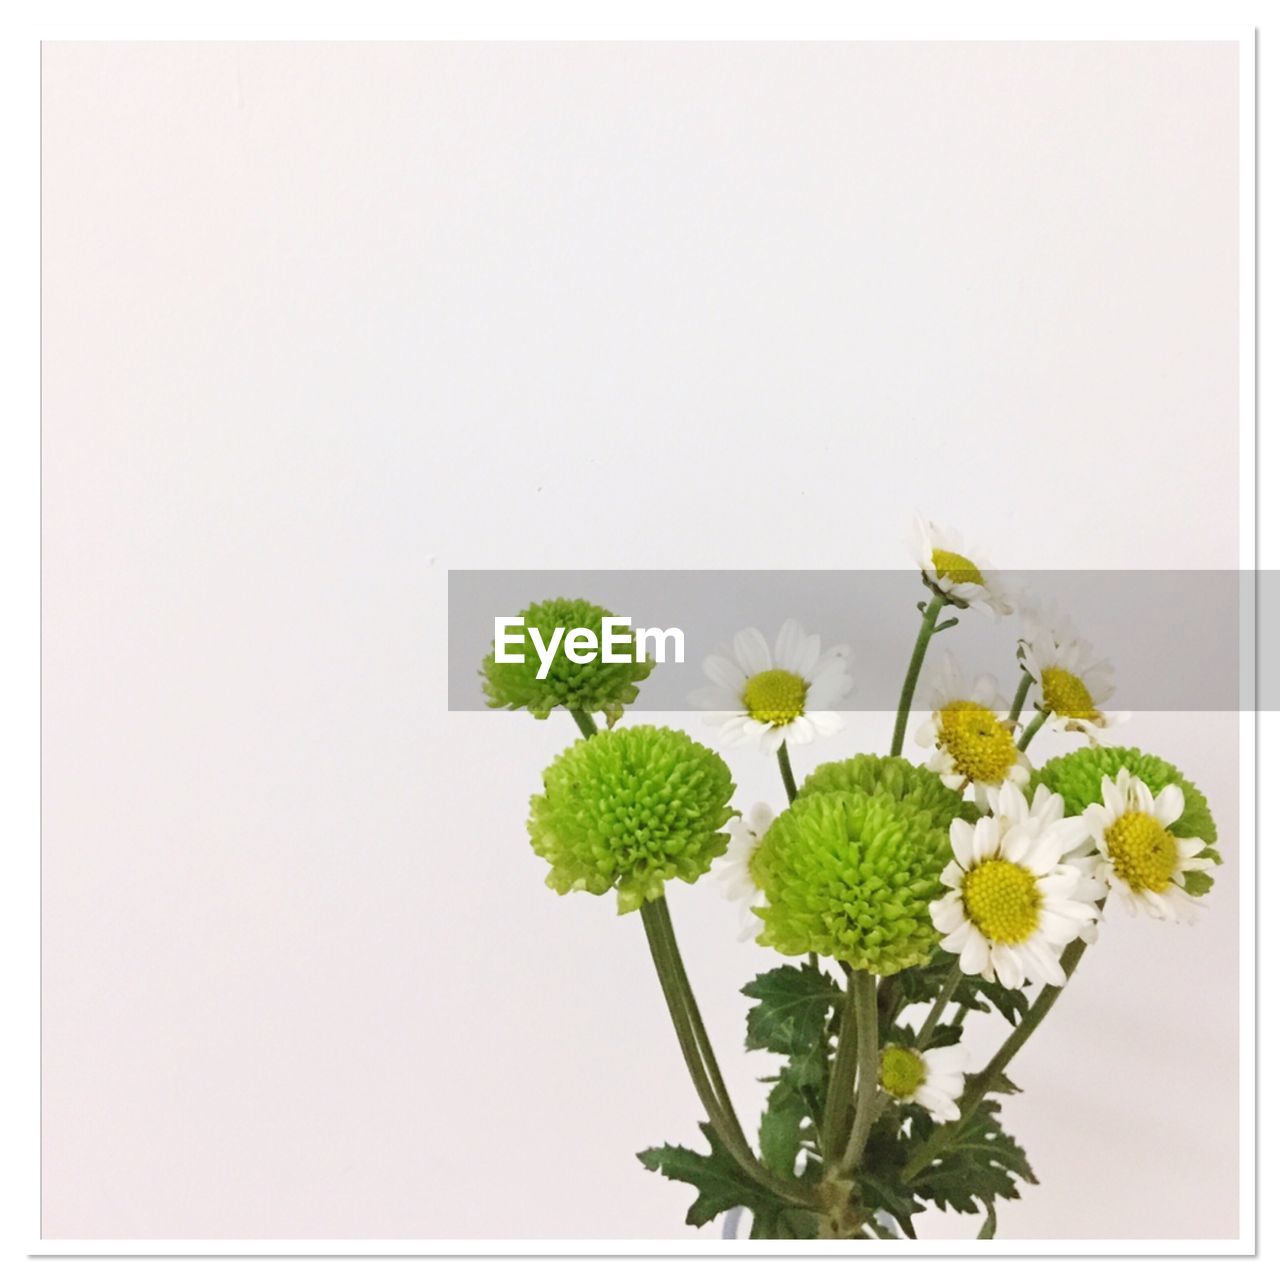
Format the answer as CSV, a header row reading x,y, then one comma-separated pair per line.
x,y
854,1098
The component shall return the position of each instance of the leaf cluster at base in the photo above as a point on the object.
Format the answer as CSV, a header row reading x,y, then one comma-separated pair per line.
x,y
796,1014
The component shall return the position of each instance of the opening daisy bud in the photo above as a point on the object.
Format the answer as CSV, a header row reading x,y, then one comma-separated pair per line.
x,y
902,1071
1066,695
629,810
1015,895
1073,683
1143,862
957,572
775,695
969,731
933,1079
957,568
1141,856
591,686
851,876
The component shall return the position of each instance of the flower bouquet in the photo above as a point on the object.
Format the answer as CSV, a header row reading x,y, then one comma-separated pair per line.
x,y
909,895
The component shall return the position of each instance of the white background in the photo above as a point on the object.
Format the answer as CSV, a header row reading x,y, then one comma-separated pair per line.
x,y
321,323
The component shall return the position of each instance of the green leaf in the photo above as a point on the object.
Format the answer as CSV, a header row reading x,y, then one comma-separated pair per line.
x,y
781,1128
981,1164
791,1015
921,986
1011,1004
1197,883
719,1181
880,1176
1001,1083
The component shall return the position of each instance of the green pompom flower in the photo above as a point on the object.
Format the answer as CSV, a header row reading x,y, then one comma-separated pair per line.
x,y
1077,778
588,686
850,875
630,809
909,784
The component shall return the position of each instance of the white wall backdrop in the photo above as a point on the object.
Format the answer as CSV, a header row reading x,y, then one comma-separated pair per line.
x,y
321,322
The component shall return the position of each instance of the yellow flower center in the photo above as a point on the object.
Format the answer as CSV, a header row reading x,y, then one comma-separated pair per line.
x,y
775,697
1067,695
981,745
902,1071
1002,899
947,564
1143,853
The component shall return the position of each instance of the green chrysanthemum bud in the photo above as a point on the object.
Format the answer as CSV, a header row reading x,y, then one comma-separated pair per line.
x,y
587,686
1077,778
850,876
910,784
630,809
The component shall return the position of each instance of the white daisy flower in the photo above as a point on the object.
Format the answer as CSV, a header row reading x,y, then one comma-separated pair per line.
x,y
1142,862
969,729
779,696
1071,682
1013,901
959,572
733,868
933,1078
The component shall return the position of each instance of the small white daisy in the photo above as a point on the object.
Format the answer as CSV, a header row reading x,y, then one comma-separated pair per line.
x,y
1071,682
779,696
1012,902
933,1078
1142,861
968,728
733,868
959,572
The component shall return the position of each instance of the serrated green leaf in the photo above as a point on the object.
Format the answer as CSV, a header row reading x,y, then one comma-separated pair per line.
x,y
1197,883
793,1005
1010,1003
781,1128
1001,1083
719,1181
981,1164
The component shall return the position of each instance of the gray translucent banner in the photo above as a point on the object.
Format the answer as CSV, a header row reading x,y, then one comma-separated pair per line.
x,y
1178,640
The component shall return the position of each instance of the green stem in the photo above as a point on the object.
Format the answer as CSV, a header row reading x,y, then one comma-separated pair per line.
x,y
788,778
584,721
840,1088
662,917
868,1069
1032,729
980,1085
696,1050
1024,687
944,998
925,634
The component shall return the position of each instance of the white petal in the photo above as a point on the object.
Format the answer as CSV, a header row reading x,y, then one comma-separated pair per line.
x,y
751,650
1008,965
724,672
826,722
976,953
714,698
962,841
947,913
1169,805
790,645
